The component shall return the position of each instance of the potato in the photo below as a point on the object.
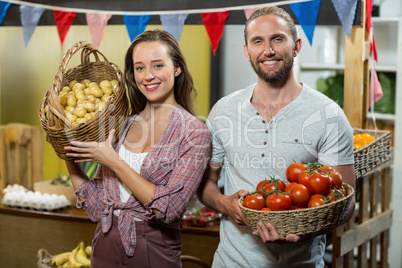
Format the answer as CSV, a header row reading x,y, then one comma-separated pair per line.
x,y
97,92
80,112
89,106
62,100
86,82
71,100
72,118
91,98
93,84
66,89
105,83
72,83
78,86
105,97
107,90
80,95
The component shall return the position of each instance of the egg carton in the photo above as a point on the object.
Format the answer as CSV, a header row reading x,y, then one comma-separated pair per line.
x,y
35,200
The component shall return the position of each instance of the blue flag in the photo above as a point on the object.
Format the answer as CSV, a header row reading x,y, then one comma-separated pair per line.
x,y
3,10
307,13
30,17
136,25
346,10
174,24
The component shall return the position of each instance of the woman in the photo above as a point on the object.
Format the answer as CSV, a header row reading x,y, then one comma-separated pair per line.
x,y
146,179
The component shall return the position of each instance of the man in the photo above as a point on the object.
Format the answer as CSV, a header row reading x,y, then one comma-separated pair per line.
x,y
258,132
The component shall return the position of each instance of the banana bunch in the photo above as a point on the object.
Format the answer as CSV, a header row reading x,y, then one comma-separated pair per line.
x,y
79,257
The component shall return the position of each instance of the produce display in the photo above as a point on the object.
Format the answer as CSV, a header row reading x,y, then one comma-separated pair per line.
x,y
310,185
200,218
81,100
79,257
361,140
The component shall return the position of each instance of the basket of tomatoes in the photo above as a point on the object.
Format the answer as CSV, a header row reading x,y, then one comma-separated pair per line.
x,y
315,198
371,149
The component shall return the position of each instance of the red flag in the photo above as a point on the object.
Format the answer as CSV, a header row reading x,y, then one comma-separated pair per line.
x,y
214,24
63,22
369,10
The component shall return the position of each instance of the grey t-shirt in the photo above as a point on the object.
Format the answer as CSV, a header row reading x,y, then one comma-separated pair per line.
x,y
311,128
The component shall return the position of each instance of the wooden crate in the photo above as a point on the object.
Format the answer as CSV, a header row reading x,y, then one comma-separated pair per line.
x,y
364,240
21,155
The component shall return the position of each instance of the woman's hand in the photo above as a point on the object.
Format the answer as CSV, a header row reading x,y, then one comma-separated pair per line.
x,y
99,152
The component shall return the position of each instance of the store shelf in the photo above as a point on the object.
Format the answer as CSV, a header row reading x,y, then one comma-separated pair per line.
x,y
381,116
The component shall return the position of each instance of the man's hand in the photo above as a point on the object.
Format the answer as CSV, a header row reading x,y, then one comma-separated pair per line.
x,y
228,205
268,234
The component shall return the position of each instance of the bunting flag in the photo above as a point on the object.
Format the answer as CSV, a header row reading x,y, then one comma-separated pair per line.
x,y
3,10
248,12
369,10
307,13
30,17
63,22
97,24
136,25
174,24
346,10
375,92
214,24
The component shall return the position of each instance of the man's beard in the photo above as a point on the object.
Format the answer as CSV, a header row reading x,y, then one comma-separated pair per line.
x,y
277,76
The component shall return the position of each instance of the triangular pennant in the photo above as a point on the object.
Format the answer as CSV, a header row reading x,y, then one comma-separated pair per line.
x,y
63,22
97,23
214,24
136,24
174,24
248,12
307,13
375,92
346,10
30,17
3,10
369,10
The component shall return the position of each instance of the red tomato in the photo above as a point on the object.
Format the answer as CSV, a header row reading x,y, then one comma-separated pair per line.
x,y
300,195
266,209
294,171
334,195
256,202
336,179
270,185
260,184
319,183
326,169
316,201
289,187
279,202
304,177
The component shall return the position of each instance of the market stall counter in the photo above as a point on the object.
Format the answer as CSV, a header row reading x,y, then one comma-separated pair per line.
x,y
24,231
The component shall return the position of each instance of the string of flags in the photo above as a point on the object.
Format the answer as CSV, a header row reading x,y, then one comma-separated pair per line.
x,y
306,12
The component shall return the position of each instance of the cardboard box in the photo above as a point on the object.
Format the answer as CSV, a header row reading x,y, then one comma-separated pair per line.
x,y
47,187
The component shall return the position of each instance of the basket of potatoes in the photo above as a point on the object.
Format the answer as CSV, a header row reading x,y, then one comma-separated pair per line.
x,y
84,102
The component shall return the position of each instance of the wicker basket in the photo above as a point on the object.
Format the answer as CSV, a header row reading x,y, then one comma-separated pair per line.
x,y
300,221
55,123
373,154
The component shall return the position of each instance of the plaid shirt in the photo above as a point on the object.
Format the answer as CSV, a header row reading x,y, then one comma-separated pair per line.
x,y
175,165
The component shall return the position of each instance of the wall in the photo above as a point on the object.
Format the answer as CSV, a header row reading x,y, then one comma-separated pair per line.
x,y
27,72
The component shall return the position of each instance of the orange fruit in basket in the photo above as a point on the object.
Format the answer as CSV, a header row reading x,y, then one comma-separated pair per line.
x,y
367,138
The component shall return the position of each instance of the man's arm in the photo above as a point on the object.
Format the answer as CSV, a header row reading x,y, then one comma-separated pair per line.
x,y
210,195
